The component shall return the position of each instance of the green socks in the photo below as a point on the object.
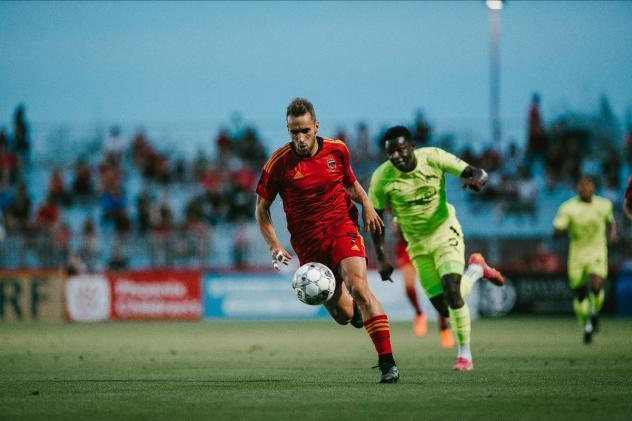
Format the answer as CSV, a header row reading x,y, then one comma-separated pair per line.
x,y
460,320
596,301
586,307
581,310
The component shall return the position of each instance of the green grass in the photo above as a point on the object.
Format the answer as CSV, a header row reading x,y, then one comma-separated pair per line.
x,y
526,368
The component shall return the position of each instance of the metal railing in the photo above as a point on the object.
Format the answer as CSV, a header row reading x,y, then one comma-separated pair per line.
x,y
232,246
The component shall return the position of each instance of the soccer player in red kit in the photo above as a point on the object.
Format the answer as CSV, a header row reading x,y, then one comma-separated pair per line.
x,y
313,176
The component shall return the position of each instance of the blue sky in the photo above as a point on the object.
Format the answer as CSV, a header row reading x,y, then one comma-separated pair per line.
x,y
186,63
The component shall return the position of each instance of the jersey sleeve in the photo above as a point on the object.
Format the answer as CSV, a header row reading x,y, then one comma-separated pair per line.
x,y
348,176
562,218
270,181
445,161
377,196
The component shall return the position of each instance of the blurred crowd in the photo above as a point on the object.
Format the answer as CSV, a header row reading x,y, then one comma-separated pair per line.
x,y
221,192
219,189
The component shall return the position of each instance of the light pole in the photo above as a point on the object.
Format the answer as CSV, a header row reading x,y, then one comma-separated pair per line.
x,y
494,6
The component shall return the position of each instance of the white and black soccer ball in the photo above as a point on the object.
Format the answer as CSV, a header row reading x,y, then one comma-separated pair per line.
x,y
314,283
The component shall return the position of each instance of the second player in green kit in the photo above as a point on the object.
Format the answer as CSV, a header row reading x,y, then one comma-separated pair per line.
x,y
412,185
586,219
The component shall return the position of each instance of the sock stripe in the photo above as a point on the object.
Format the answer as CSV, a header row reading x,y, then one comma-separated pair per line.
x,y
380,333
376,326
378,323
375,319
384,329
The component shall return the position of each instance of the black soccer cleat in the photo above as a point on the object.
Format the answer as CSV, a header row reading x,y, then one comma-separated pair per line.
x,y
356,320
390,374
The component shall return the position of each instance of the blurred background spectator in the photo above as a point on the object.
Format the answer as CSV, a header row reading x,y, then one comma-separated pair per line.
x,y
198,210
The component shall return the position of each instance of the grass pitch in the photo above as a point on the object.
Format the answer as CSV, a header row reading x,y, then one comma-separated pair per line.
x,y
526,368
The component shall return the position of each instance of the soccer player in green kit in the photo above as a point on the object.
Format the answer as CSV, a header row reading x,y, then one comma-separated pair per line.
x,y
585,219
412,184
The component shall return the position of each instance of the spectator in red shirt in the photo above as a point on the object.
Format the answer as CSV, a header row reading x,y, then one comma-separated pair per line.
x,y
57,188
8,165
48,214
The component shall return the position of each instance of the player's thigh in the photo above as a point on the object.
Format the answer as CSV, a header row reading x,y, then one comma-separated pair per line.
x,y
428,275
448,248
353,271
598,268
346,242
577,273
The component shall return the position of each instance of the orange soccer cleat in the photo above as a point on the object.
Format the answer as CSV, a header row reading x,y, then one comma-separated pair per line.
x,y
463,364
446,338
420,325
489,273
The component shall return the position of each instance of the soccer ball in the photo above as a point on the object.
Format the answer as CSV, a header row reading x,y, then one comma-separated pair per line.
x,y
314,283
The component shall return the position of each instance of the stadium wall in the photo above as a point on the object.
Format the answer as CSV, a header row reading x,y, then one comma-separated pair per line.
x,y
31,296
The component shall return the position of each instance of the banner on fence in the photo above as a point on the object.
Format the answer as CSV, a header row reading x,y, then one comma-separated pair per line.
x,y
27,296
156,295
270,296
88,298
528,294
253,296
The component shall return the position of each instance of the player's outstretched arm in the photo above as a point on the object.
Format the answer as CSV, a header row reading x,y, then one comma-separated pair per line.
x,y
475,178
372,221
264,220
385,267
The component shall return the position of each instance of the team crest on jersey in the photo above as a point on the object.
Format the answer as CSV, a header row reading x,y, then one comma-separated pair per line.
x,y
331,163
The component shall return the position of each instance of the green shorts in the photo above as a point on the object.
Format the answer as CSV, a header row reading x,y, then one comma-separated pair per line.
x,y
579,269
438,254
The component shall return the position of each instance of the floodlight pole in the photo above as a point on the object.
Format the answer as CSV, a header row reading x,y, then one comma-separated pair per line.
x,y
494,71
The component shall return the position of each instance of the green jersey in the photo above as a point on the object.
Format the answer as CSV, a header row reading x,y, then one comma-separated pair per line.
x,y
586,225
417,199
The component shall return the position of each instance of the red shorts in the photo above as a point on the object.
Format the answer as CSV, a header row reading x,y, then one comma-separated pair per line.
x,y
332,246
401,255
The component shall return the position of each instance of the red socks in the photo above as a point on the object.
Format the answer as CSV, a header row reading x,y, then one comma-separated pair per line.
x,y
380,334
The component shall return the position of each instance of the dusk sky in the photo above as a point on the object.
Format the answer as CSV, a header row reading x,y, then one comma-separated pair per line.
x,y
195,63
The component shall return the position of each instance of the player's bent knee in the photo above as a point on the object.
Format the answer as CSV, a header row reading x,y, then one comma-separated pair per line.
x,y
340,316
454,299
452,291
438,302
580,293
362,296
596,283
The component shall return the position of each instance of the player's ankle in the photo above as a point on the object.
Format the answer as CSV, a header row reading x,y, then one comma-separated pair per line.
x,y
386,361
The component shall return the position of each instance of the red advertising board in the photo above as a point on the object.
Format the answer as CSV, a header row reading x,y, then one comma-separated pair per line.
x,y
156,295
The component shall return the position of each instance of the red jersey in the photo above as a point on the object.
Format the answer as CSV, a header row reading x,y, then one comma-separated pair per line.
x,y
312,189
